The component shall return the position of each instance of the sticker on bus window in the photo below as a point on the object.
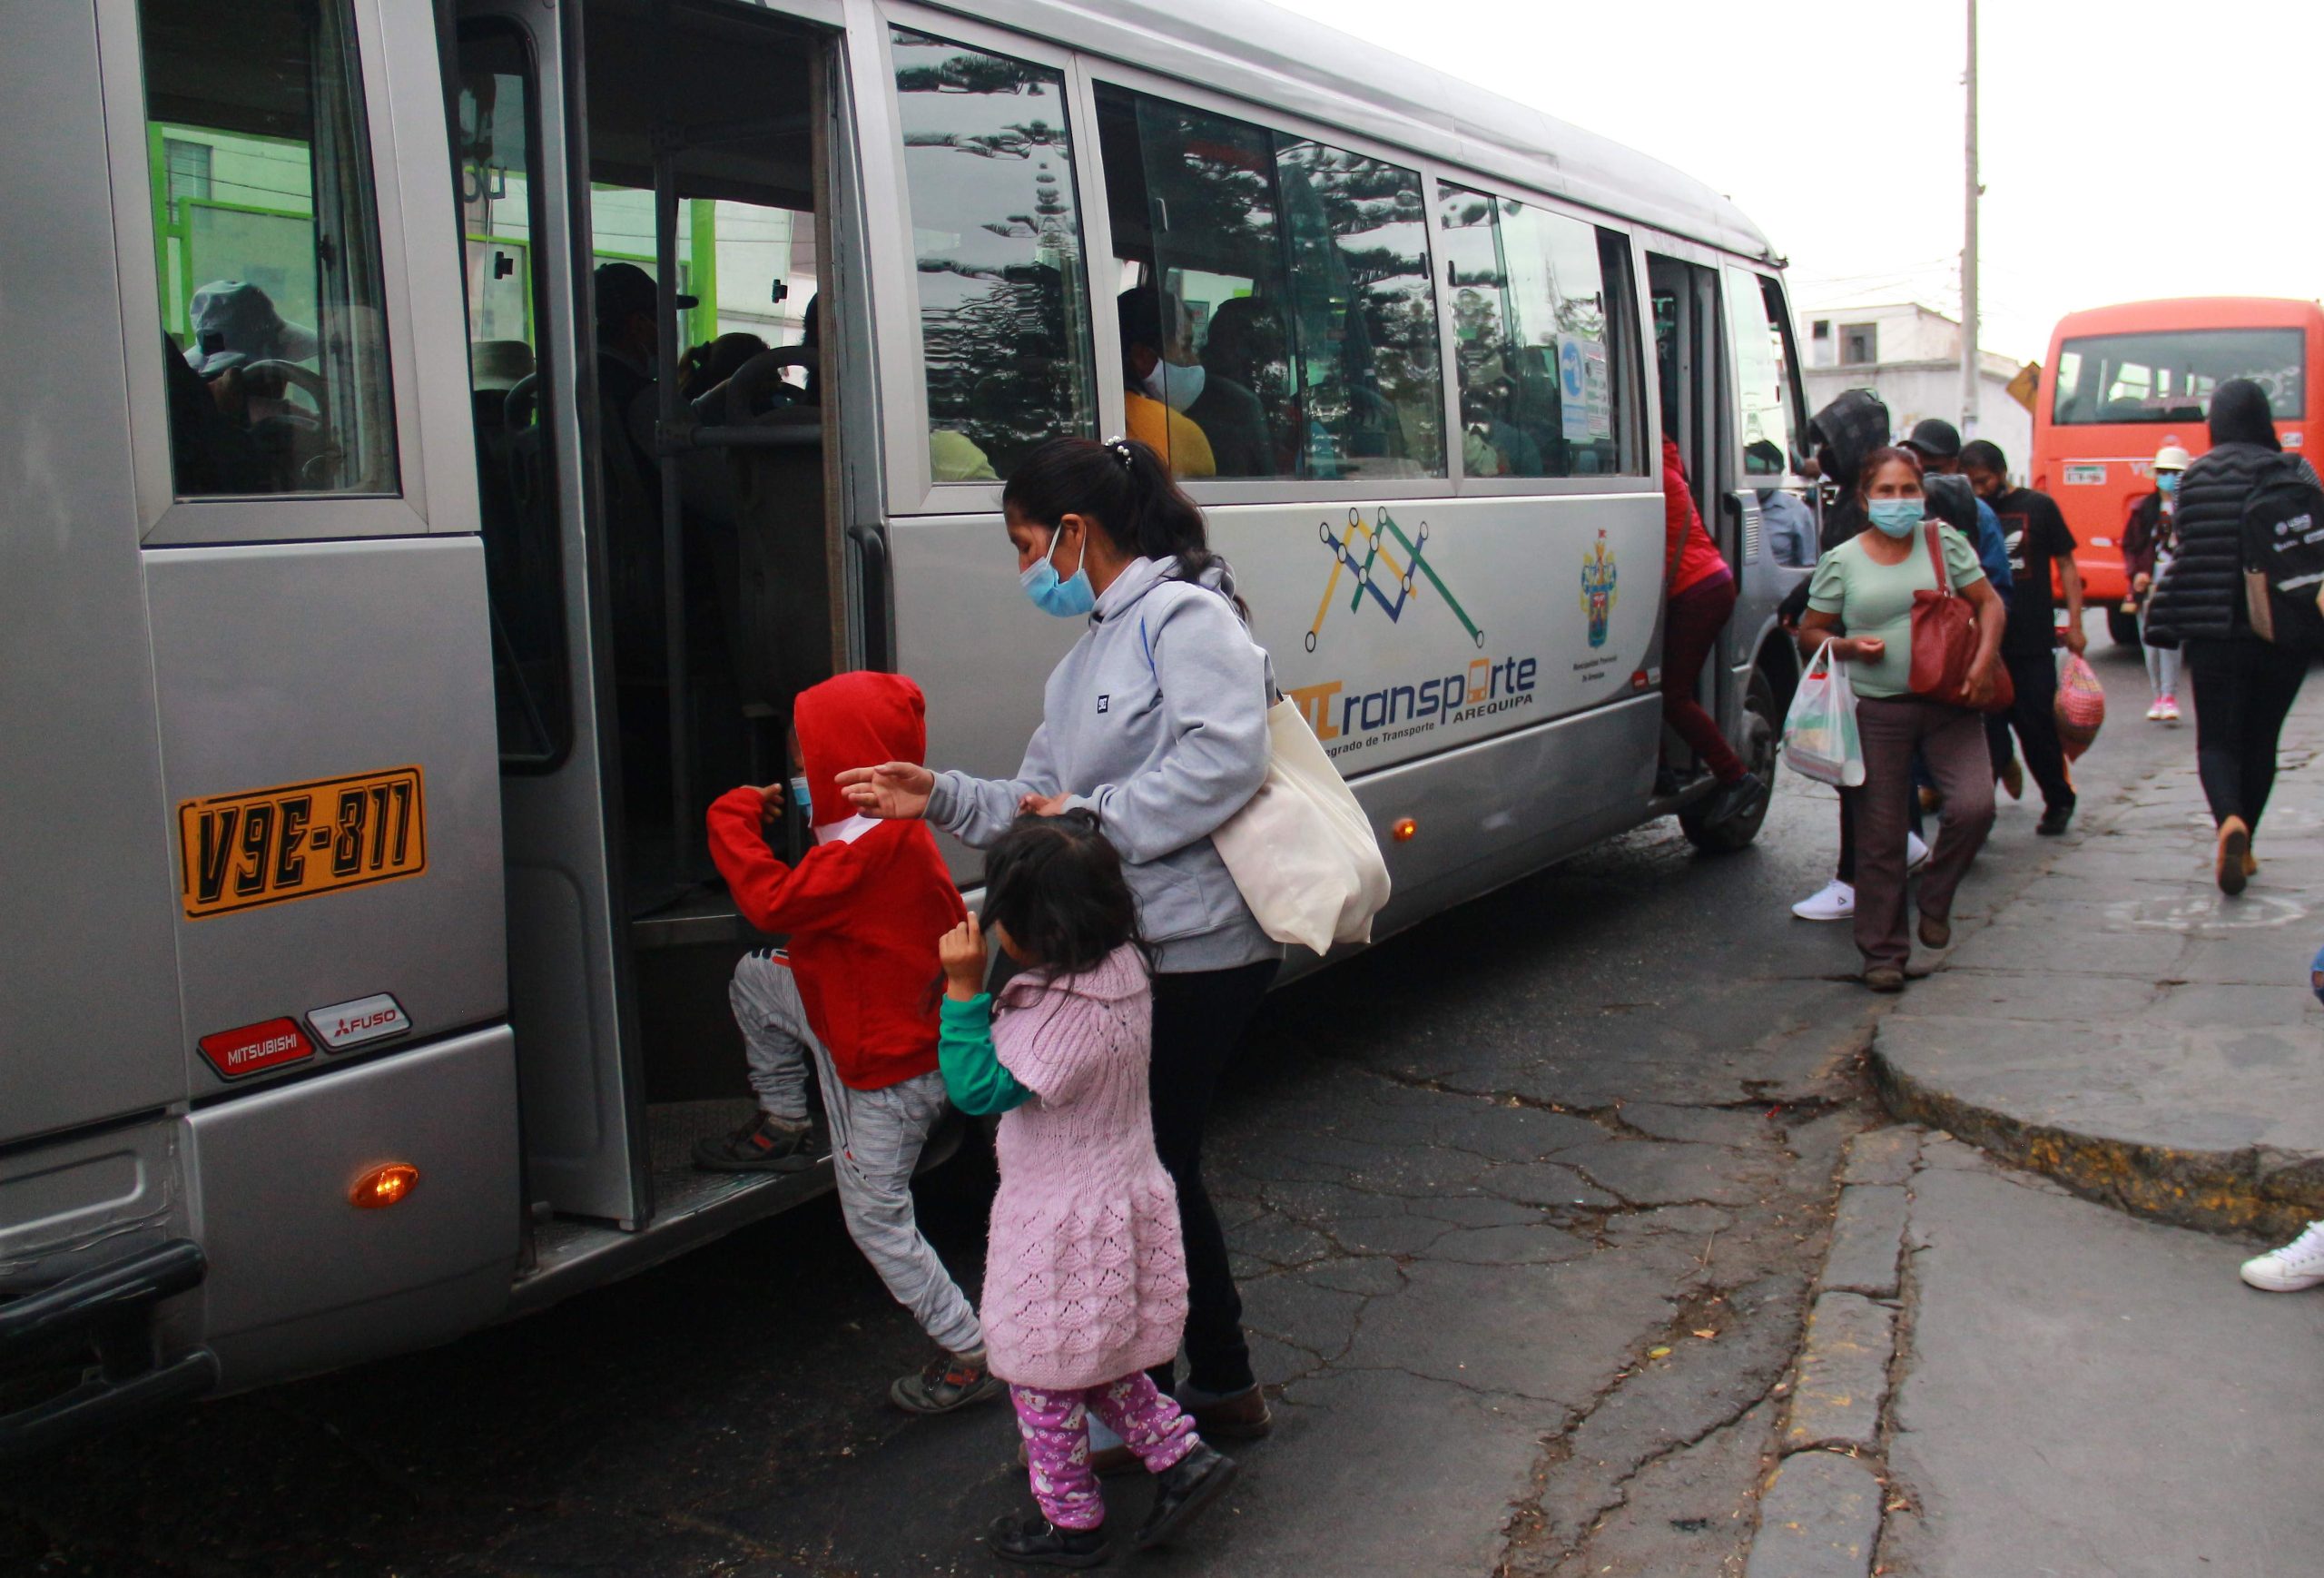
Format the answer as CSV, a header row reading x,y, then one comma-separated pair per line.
x,y
2085,476
267,846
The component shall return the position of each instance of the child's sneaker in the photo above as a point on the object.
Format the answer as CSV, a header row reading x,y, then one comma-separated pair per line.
x,y
2154,711
1032,1541
2169,709
763,1145
947,1382
2298,1264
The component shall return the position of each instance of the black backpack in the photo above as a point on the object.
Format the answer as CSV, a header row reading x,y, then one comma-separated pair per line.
x,y
2284,559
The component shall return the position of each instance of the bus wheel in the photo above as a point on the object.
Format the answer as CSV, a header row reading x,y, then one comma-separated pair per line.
x,y
2123,627
1762,733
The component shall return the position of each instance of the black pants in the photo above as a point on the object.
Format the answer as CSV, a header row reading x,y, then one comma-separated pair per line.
x,y
2242,691
1198,1022
2034,715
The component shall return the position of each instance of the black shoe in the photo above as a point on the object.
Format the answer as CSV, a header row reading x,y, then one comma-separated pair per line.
x,y
945,1383
2053,820
1666,783
1035,1542
1182,1491
763,1145
1732,798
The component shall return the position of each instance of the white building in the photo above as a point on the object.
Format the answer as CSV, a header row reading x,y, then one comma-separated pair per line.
x,y
1910,355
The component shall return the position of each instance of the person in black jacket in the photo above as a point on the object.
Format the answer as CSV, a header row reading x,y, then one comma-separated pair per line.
x,y
2244,685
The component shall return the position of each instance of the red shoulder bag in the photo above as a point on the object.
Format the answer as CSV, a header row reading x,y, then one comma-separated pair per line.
x,y
1944,640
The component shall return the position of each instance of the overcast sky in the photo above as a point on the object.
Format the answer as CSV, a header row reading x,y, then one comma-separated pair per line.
x,y
2131,150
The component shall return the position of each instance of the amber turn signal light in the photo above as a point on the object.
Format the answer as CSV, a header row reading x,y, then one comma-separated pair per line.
x,y
1404,830
384,1186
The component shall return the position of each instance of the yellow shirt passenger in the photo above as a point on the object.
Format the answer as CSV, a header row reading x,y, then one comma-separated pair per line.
x,y
1176,437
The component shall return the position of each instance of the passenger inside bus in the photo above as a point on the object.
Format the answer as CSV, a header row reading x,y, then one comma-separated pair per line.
x,y
1162,377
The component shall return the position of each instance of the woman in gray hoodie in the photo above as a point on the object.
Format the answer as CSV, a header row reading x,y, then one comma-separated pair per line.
x,y
1156,722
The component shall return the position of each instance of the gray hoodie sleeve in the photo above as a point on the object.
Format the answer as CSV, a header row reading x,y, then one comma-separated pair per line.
x,y
1213,679
977,811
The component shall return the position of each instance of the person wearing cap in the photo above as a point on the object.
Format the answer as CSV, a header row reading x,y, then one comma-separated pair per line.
x,y
2149,539
235,323
2038,538
1937,442
629,351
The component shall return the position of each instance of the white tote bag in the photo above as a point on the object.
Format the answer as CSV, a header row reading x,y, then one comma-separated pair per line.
x,y
1301,849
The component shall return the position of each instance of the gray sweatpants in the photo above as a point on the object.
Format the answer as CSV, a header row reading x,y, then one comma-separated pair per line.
x,y
877,1137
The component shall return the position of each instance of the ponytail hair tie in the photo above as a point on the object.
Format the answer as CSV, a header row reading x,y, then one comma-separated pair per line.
x,y
1120,447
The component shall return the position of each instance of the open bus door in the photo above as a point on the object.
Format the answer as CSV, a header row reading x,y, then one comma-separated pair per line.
x,y
646,201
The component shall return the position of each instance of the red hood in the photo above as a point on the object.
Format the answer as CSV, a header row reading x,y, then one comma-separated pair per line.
x,y
856,720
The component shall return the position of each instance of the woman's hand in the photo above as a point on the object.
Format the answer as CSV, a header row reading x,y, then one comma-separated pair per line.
x,y
1042,805
1862,649
1978,688
961,951
2140,582
891,792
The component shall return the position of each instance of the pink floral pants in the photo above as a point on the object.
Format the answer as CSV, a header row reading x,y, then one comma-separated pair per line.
x,y
1056,1441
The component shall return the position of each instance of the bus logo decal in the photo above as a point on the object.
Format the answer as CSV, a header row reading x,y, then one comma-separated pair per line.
x,y
1598,579
267,846
1366,570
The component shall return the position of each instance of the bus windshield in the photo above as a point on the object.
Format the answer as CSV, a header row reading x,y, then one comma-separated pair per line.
x,y
2168,376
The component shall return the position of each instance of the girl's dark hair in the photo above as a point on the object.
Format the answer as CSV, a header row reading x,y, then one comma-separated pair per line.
x,y
1057,884
1126,489
1883,456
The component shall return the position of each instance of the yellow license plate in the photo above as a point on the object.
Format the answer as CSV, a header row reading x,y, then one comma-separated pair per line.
x,y
264,846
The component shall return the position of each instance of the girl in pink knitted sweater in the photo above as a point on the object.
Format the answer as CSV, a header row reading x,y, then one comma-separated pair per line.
x,y
1086,1281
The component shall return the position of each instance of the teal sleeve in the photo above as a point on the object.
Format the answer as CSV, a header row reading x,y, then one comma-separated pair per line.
x,y
973,1075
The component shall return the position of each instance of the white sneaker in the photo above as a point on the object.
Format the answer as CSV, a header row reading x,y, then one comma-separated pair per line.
x,y
1915,854
2298,1264
1835,901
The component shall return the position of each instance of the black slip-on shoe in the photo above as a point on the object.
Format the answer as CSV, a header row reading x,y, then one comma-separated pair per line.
x,y
1030,1540
1182,1491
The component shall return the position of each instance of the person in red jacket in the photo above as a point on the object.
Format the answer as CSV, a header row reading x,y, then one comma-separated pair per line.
x,y
1701,592
854,993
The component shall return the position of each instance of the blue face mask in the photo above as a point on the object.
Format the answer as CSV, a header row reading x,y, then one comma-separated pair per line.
x,y
1068,597
1897,517
2167,482
800,798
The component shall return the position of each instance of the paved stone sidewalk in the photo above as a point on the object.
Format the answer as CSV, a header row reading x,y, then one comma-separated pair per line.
x,y
2122,1027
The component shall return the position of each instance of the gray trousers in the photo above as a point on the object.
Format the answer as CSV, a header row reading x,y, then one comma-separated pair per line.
x,y
877,1137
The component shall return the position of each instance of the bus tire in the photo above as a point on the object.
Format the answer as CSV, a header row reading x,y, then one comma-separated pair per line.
x,y
1762,733
2123,627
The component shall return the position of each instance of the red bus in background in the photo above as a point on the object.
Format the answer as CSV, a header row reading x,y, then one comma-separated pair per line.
x,y
2120,382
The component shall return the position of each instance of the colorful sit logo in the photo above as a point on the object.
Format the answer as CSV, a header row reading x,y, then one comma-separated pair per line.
x,y
1598,578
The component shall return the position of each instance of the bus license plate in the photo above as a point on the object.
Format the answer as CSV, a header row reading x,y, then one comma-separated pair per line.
x,y
2085,476
264,846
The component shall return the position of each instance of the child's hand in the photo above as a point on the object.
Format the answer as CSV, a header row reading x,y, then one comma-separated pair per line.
x,y
961,951
772,798
891,791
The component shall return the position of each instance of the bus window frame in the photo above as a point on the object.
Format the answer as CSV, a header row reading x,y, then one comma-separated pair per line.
x,y
423,297
901,355
1628,379
1790,480
1210,492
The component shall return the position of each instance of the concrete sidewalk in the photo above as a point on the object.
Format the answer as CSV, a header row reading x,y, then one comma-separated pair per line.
x,y
2122,1027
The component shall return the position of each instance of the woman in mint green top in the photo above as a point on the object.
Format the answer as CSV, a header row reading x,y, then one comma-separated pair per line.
x,y
1861,602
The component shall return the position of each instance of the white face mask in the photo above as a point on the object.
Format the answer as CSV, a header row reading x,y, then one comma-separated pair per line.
x,y
1175,386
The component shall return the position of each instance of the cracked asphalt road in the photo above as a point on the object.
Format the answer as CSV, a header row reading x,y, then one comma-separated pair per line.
x,y
1526,1202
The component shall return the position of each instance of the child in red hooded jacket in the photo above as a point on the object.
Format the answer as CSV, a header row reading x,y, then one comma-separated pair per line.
x,y
863,910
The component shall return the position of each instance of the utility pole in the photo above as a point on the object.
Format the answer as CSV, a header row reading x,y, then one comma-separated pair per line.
x,y
1969,245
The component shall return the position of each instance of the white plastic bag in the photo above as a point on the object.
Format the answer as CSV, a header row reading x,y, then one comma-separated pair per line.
x,y
1819,737
1301,849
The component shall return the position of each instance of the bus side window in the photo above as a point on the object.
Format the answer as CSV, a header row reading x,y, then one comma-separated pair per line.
x,y
1003,311
1539,393
266,243
1770,428
1364,314
1191,197
509,397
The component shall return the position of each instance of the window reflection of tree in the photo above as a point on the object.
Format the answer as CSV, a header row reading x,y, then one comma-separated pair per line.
x,y
1007,365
